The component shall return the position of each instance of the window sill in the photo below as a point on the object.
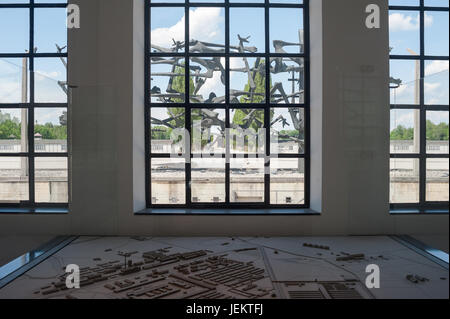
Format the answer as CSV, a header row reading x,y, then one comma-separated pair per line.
x,y
226,212
34,210
415,211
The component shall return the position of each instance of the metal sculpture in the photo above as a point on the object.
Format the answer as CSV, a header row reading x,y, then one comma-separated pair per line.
x,y
202,69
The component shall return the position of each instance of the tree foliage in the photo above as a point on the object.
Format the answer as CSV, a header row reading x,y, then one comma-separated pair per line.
x,y
434,132
10,128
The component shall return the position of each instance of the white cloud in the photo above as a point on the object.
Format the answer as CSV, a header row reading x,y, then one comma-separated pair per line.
x,y
402,89
46,89
48,116
205,24
403,22
10,82
163,36
10,92
430,87
404,118
435,67
42,75
213,84
438,117
428,20
404,94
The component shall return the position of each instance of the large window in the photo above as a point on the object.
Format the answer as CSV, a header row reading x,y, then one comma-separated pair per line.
x,y
419,85
33,103
234,76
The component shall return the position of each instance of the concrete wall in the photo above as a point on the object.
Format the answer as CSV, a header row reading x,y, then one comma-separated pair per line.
x,y
350,119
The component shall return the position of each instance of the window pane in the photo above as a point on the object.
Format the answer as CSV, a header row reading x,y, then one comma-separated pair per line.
x,y
437,180
208,131
50,80
13,179
404,2
167,29
50,29
51,180
287,80
251,37
436,3
287,181
207,80
168,181
167,80
286,30
207,26
247,180
14,80
208,180
50,130
405,81
287,1
13,130
167,1
436,33
163,122
404,32
404,180
50,1
437,132
209,1
436,82
248,1
245,132
247,80
287,131
19,21
19,1
405,133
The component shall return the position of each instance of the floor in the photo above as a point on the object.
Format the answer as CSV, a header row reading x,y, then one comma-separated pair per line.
x,y
242,268
436,241
12,247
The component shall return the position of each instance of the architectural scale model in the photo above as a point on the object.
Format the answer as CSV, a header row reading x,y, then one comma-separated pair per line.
x,y
244,268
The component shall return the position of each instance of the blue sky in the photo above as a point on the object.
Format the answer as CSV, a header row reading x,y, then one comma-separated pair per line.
x,y
404,40
208,25
50,29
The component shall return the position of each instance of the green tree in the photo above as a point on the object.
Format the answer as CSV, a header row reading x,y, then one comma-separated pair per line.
x,y
161,132
49,131
10,130
178,83
402,133
260,82
437,132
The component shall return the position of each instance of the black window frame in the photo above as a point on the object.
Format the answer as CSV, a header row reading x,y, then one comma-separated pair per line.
x,y
226,4
423,206
31,205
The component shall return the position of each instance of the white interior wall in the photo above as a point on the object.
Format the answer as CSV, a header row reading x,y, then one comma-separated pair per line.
x,y
350,134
